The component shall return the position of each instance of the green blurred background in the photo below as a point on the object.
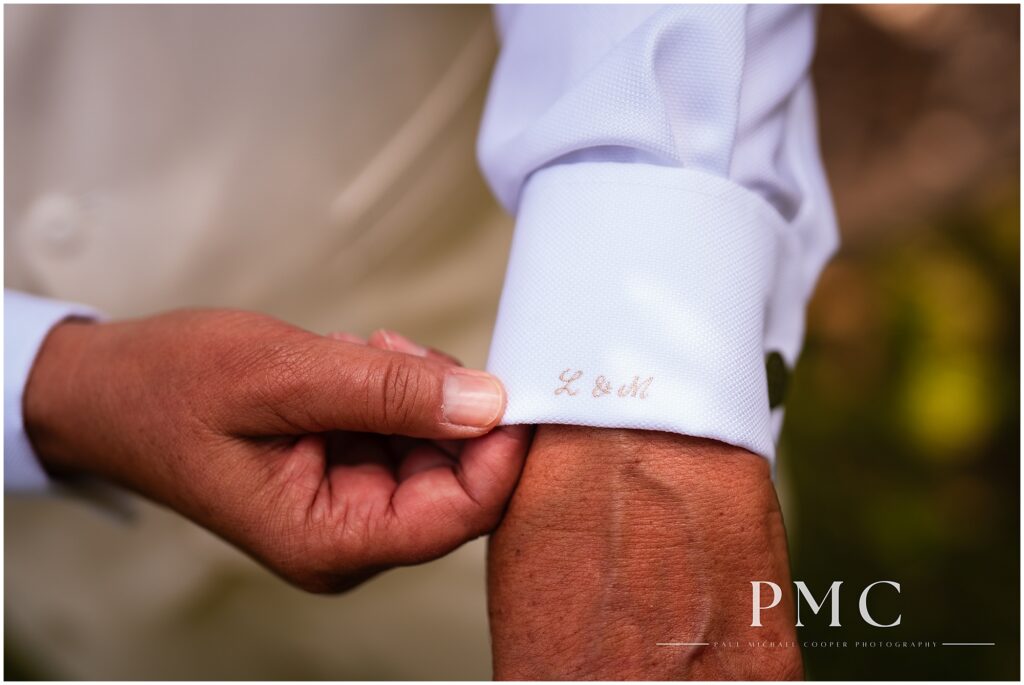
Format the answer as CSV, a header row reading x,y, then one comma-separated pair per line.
x,y
899,459
901,449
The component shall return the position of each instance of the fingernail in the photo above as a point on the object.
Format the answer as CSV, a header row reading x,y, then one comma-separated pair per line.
x,y
472,398
399,343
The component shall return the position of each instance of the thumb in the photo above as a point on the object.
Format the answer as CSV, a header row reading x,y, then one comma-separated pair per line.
x,y
347,386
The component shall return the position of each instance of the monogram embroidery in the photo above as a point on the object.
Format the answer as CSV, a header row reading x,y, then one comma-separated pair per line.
x,y
567,382
603,385
636,387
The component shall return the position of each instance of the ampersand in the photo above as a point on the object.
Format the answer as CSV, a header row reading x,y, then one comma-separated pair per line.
x,y
601,387
567,381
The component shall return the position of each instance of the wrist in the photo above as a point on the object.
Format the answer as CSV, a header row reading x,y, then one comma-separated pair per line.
x,y
57,393
579,463
616,540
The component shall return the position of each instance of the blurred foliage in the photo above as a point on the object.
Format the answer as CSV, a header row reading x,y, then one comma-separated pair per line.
x,y
902,445
901,449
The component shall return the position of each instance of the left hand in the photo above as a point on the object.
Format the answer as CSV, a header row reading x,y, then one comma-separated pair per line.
x,y
617,540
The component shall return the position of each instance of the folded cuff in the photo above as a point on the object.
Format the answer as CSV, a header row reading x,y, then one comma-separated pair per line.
x,y
635,297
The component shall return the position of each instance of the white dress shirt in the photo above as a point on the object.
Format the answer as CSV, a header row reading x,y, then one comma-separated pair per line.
x,y
672,218
672,214
27,320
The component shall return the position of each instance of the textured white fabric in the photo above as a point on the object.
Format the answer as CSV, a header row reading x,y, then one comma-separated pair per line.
x,y
27,321
672,212
673,219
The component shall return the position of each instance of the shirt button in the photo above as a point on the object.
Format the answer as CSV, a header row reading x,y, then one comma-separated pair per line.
x,y
56,222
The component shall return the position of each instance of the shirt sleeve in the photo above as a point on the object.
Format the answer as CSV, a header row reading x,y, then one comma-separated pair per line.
x,y
27,321
672,214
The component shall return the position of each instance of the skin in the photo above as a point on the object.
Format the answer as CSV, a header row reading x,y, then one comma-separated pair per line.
x,y
325,458
331,458
616,540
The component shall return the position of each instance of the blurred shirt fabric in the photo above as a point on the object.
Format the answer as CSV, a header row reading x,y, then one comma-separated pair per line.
x,y
673,217
315,163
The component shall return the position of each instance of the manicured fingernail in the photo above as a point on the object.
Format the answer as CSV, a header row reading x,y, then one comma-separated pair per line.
x,y
472,398
399,343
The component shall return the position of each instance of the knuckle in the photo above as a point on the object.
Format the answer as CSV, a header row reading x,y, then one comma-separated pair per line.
x,y
235,341
274,376
395,392
281,363
246,362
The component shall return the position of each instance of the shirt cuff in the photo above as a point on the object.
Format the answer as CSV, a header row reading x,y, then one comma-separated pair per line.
x,y
635,297
27,321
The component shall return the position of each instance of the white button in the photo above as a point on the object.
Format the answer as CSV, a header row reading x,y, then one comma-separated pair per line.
x,y
56,223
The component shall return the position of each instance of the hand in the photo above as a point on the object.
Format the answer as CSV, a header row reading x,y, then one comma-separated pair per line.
x,y
616,540
277,439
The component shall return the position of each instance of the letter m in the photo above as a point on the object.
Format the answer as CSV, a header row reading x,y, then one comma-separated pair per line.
x,y
802,591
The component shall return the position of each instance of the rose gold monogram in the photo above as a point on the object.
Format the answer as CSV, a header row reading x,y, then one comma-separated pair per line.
x,y
636,387
603,386
567,382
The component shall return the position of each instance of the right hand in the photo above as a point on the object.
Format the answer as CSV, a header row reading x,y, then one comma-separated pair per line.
x,y
277,439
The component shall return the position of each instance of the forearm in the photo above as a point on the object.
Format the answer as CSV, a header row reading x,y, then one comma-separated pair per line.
x,y
617,540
